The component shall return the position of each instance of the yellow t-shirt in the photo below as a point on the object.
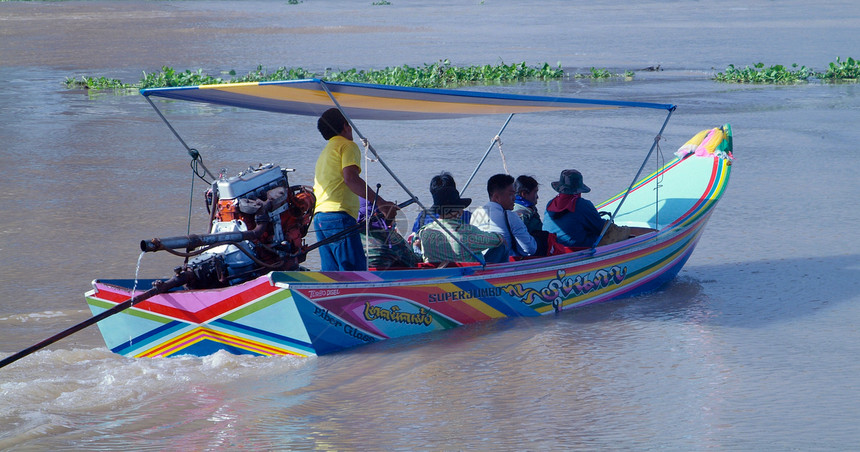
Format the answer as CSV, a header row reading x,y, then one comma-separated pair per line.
x,y
329,187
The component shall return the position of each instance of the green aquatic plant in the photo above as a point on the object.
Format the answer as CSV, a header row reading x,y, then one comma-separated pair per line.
x,y
435,75
95,83
261,75
603,73
777,74
600,73
169,77
444,74
848,70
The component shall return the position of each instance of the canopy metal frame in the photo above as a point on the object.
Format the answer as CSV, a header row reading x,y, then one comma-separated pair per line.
x,y
196,160
654,145
489,148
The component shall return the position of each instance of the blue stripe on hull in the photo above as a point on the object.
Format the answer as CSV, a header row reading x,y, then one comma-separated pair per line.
x,y
284,341
151,337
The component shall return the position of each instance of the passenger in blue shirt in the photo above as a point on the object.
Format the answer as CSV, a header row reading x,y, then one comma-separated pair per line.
x,y
573,219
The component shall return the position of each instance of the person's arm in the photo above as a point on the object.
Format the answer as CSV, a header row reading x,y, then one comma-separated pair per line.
x,y
482,240
525,240
591,220
353,180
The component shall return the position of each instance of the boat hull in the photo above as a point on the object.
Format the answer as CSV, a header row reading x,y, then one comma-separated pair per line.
x,y
313,313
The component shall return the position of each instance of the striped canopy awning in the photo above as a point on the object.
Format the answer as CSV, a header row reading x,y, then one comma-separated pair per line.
x,y
364,101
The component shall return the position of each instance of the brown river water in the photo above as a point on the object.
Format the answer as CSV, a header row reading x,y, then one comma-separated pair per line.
x,y
753,346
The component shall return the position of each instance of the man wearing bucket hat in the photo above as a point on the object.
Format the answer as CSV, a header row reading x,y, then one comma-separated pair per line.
x,y
573,219
439,181
439,246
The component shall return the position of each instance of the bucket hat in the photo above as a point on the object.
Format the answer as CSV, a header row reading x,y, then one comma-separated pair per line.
x,y
570,183
449,197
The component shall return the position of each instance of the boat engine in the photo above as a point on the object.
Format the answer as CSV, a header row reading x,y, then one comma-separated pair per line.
x,y
257,224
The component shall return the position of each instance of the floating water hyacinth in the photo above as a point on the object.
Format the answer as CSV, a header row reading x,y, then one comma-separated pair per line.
x,y
435,75
845,71
848,70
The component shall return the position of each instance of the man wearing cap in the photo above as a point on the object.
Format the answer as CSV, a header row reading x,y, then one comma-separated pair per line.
x,y
439,246
573,219
498,216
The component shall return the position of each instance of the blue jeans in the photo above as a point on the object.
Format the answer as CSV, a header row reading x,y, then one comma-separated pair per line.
x,y
346,254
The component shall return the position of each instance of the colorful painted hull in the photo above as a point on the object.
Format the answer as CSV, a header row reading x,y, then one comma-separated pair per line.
x,y
312,313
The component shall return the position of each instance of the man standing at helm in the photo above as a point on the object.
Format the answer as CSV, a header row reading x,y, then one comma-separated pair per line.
x,y
337,187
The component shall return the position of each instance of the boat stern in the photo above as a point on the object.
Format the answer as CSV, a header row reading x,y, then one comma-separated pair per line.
x,y
254,318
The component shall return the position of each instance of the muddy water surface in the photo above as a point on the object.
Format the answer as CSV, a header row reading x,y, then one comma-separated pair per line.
x,y
752,347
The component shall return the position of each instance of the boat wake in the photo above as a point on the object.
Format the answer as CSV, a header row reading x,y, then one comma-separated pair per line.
x,y
35,403
36,316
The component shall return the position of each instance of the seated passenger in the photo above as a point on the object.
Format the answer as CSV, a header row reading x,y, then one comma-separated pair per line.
x,y
525,205
498,216
439,246
444,179
385,247
573,219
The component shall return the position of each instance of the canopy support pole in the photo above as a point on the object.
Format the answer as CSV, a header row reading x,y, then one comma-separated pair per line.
x,y
490,148
635,178
195,160
195,155
370,147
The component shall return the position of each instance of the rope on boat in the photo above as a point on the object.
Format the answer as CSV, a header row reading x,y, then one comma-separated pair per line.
x,y
498,140
196,160
191,196
489,148
661,160
366,143
367,161
478,257
194,153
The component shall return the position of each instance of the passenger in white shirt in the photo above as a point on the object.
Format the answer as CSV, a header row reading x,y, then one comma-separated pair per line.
x,y
498,216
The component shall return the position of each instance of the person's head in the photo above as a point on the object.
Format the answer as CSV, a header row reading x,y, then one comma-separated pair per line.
x,y
526,187
443,179
570,183
333,123
501,190
448,203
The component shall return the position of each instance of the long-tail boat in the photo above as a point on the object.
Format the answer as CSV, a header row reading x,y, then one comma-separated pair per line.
x,y
241,288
